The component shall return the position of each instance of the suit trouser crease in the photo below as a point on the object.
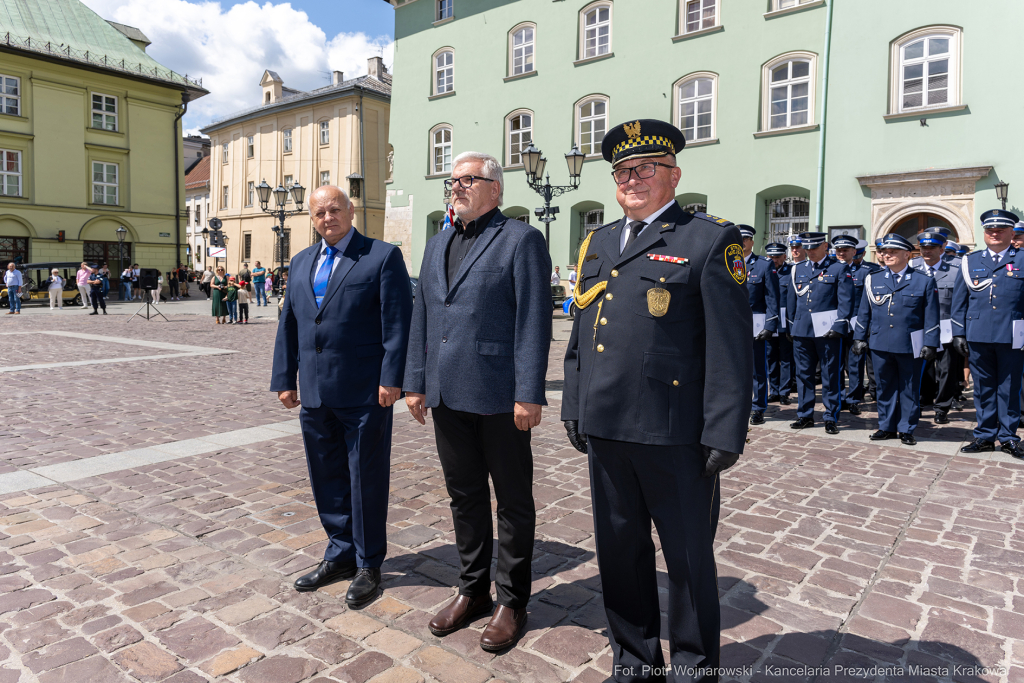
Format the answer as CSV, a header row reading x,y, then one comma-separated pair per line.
x,y
348,452
807,353
472,447
899,391
760,395
633,485
997,372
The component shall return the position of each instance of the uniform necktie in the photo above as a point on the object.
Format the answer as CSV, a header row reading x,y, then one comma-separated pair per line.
x,y
634,229
931,272
323,275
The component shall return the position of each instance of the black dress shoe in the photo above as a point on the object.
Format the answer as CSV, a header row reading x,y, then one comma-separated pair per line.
x,y
882,435
756,417
1013,448
774,398
364,587
830,428
326,573
802,423
941,418
784,400
854,409
978,446
907,439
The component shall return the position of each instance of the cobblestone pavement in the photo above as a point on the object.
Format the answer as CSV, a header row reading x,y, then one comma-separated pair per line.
x,y
856,561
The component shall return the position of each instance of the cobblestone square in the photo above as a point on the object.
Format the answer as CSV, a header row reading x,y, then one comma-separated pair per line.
x,y
154,511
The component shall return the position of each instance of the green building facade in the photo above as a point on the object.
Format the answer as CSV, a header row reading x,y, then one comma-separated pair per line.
x,y
863,117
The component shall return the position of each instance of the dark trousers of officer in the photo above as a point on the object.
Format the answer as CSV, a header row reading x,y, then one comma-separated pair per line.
x,y
470,448
899,390
631,485
348,451
807,353
942,378
854,365
780,366
98,300
760,398
997,372
869,372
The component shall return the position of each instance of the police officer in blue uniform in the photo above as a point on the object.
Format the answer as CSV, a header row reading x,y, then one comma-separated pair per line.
x,y
657,393
763,290
780,348
940,383
1018,236
899,314
818,310
868,377
988,302
853,364
951,250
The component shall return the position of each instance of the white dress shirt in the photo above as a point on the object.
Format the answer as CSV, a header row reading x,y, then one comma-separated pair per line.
x,y
999,255
899,276
341,246
647,221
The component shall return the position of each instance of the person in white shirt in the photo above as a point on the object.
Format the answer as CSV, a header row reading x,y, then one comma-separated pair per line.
x,y
556,279
572,280
56,290
14,282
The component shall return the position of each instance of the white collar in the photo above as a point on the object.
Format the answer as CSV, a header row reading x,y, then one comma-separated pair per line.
x,y
1000,254
341,244
650,219
899,275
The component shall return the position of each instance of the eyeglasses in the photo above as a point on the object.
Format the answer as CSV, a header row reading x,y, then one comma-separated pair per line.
x,y
643,171
465,181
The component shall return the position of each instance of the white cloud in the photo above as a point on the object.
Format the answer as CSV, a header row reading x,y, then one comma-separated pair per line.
x,y
230,49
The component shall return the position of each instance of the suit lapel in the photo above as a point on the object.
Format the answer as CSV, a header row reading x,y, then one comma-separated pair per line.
x,y
348,259
906,279
608,241
480,244
441,260
306,284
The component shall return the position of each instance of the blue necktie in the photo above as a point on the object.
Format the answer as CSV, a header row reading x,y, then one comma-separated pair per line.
x,y
323,276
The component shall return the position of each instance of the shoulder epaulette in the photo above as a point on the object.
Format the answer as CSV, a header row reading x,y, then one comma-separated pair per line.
x,y
714,219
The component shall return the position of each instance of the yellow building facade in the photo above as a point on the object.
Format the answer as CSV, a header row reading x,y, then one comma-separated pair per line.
x,y
90,140
335,135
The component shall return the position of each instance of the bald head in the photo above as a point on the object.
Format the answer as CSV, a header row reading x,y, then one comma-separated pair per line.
x,y
332,213
324,192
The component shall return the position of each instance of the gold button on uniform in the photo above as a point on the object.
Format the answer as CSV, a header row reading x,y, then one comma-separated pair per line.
x,y
604,321
662,279
600,348
615,273
608,296
675,383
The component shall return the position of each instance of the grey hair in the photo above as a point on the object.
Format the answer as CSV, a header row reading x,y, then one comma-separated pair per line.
x,y
309,203
491,169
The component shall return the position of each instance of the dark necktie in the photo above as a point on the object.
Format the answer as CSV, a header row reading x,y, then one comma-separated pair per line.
x,y
931,272
634,229
995,259
323,275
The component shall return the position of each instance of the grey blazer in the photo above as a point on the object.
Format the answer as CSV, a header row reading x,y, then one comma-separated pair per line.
x,y
483,342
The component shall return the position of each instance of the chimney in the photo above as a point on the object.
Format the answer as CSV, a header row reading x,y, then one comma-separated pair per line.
x,y
337,77
375,68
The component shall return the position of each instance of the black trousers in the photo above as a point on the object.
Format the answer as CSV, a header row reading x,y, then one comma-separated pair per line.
x,y
631,486
471,448
942,378
96,294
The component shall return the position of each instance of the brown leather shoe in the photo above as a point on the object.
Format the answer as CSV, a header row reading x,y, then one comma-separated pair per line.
x,y
458,613
503,629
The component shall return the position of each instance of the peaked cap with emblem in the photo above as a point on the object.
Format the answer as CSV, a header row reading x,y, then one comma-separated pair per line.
x,y
931,238
641,138
840,241
809,240
894,241
952,246
999,218
746,231
775,249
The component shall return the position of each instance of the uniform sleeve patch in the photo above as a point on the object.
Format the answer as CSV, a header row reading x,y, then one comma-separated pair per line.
x,y
736,264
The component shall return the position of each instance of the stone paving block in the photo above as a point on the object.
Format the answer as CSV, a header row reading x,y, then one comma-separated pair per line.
x,y
362,668
331,648
147,662
446,667
393,642
353,625
277,630
398,674
245,610
116,638
92,669
518,665
196,640
280,669
230,660
572,645
58,654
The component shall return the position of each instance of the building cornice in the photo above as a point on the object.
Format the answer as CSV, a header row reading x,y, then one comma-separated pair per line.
x,y
931,175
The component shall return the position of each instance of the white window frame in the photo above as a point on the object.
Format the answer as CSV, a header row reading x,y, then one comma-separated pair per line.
x,y
250,191
788,4
7,99
532,45
449,81
6,176
225,199
224,152
782,228
325,133
509,161
955,72
288,182
104,184
766,89
103,112
677,104
325,178
582,48
685,6
434,170
445,9
578,122
287,137
250,147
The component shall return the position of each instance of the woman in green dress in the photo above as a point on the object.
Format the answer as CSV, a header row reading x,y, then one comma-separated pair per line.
x,y
218,290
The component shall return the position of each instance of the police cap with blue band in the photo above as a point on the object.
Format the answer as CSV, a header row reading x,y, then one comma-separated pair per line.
x,y
930,238
962,250
842,241
775,249
809,240
794,241
862,246
746,231
641,138
894,241
952,246
999,218
1019,227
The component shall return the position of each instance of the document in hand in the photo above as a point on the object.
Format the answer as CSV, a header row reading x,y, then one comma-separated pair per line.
x,y
823,322
945,331
758,323
916,342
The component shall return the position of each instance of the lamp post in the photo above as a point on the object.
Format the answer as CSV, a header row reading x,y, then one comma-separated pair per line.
x,y
535,164
206,246
1002,189
120,232
298,193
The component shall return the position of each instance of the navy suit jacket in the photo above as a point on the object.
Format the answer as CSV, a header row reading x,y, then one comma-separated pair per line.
x,y
907,307
829,288
482,343
356,341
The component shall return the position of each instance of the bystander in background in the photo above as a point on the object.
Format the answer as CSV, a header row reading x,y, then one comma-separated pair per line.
x,y
82,279
55,288
231,299
14,282
243,304
259,280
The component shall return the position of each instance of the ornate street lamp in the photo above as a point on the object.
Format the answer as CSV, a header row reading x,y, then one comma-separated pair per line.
x,y
280,193
120,232
1002,189
535,165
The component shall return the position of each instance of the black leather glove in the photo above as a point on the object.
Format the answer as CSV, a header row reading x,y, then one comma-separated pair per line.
x,y
960,346
831,334
928,352
578,441
859,347
763,335
789,336
715,461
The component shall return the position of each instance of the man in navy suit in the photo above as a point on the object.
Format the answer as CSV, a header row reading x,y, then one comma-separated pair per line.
x,y
478,354
763,293
344,329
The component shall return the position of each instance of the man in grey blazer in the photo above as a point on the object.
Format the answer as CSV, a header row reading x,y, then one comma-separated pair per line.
x,y
478,352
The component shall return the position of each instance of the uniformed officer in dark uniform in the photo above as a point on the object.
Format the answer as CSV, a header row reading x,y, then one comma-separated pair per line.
x,y
868,377
853,364
988,304
951,251
940,383
899,313
657,392
780,348
1018,236
763,289
818,312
